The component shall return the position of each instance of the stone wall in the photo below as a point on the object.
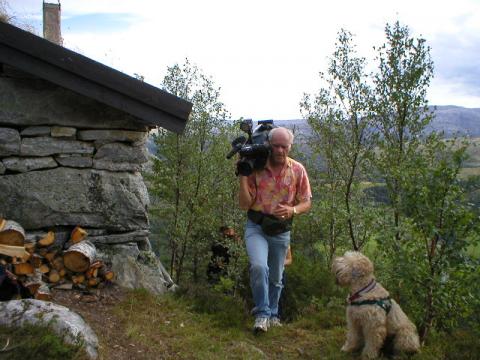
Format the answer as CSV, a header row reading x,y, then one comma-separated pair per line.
x,y
67,160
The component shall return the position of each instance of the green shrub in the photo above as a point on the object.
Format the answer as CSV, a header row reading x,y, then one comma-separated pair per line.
x,y
226,310
37,342
308,285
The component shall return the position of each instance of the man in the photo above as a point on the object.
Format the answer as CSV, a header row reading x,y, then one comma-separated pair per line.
x,y
272,196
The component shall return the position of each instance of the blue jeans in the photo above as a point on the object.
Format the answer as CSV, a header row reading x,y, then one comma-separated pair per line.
x,y
267,257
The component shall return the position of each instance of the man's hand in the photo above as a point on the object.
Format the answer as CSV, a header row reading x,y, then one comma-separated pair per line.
x,y
283,212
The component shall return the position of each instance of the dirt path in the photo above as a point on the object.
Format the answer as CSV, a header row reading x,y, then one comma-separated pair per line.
x,y
96,308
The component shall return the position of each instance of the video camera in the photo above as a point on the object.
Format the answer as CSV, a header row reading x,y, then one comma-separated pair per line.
x,y
253,150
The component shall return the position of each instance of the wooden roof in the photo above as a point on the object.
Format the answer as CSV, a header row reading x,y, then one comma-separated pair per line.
x,y
49,61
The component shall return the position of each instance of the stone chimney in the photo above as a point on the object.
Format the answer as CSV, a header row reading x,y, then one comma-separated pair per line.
x,y
51,23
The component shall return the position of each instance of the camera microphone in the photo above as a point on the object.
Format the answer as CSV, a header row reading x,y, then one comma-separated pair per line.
x,y
236,146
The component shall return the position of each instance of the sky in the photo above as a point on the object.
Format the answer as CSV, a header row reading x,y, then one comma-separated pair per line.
x,y
265,54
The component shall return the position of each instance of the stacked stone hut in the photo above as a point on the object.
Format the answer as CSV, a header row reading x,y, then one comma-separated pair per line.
x,y
72,147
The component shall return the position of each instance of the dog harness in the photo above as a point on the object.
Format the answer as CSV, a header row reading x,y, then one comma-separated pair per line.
x,y
363,290
385,303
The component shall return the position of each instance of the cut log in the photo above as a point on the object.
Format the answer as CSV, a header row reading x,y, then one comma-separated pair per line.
x,y
78,234
57,263
80,256
78,279
97,264
23,269
42,251
44,268
30,247
33,287
47,240
92,282
53,276
109,275
12,234
92,271
14,251
106,273
64,286
43,293
62,272
34,281
50,255
2,223
36,260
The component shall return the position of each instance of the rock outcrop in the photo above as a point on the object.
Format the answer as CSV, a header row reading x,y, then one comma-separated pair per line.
x,y
65,323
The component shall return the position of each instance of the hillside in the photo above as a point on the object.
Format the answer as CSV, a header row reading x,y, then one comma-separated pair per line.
x,y
450,119
135,325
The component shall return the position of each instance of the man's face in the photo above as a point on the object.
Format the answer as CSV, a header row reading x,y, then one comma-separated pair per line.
x,y
280,145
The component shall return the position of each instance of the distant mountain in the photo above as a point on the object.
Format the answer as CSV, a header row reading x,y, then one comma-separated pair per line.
x,y
456,120
449,119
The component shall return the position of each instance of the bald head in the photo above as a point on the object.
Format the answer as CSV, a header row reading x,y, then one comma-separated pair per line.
x,y
281,140
280,132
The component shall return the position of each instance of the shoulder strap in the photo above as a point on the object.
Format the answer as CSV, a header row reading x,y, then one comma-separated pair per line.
x,y
385,304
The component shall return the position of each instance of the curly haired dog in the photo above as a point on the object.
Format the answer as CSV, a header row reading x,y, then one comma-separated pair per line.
x,y
371,314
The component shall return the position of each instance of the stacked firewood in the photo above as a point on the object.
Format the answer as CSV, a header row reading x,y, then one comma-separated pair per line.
x,y
46,263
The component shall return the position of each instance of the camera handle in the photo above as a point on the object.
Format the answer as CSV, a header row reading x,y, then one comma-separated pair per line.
x,y
236,146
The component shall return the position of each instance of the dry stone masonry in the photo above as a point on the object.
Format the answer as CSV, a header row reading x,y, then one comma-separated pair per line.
x,y
67,160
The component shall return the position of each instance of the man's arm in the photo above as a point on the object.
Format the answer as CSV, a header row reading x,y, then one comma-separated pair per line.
x,y
286,212
244,198
303,207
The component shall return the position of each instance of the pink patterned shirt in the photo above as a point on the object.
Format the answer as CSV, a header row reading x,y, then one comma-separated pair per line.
x,y
290,187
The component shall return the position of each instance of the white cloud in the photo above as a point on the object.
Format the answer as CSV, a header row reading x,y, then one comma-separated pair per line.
x,y
263,53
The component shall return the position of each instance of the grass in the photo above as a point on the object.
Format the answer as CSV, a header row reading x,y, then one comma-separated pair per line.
x,y
36,342
206,324
178,328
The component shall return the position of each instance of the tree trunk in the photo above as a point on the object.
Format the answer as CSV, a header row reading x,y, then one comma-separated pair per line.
x,y
428,321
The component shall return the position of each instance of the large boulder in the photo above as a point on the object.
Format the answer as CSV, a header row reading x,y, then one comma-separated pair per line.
x,y
116,201
136,269
62,321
